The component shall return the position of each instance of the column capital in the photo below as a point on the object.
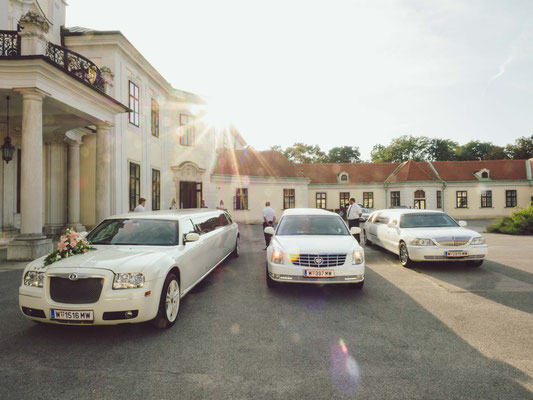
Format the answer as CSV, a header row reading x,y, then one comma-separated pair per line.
x,y
32,93
74,137
104,126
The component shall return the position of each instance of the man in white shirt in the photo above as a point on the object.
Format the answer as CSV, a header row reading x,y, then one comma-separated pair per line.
x,y
353,214
269,218
140,207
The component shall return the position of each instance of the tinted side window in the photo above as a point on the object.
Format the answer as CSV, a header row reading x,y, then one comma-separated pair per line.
x,y
187,227
230,221
382,219
222,221
206,224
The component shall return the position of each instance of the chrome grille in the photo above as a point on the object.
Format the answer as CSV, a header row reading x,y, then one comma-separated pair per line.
x,y
318,260
81,291
453,241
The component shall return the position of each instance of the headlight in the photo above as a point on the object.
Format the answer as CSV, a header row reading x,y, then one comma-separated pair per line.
x,y
422,242
277,257
130,280
34,278
478,240
358,257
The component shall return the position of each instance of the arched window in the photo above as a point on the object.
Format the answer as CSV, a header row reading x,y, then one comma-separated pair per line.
x,y
344,177
420,200
485,175
420,194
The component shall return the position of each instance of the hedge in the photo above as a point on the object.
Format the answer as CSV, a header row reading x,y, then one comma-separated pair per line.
x,y
519,222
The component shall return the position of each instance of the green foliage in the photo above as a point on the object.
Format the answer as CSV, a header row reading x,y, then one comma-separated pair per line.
x,y
441,149
522,149
403,148
344,154
304,153
476,150
518,223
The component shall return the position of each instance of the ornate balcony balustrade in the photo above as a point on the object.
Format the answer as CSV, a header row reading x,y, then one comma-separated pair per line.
x,y
76,65
9,44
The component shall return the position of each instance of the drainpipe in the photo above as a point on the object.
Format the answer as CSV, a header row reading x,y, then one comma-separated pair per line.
x,y
443,196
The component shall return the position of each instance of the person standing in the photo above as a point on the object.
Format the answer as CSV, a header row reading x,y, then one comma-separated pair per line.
x,y
353,214
140,207
269,219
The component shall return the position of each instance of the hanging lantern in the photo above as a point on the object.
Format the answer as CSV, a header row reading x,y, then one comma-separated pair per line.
x,y
7,148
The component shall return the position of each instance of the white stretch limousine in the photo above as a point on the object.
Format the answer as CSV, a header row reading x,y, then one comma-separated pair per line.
x,y
314,246
144,263
424,235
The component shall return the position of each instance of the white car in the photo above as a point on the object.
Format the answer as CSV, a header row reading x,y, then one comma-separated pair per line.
x,y
424,235
144,263
314,246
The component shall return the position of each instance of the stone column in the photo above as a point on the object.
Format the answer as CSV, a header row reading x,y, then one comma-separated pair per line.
x,y
31,243
103,171
73,185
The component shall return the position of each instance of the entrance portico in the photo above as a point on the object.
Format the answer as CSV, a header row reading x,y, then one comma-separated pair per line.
x,y
188,180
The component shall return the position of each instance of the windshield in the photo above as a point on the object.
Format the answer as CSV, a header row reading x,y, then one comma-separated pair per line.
x,y
141,232
312,225
436,220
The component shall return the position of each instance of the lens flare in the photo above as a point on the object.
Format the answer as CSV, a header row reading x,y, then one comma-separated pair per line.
x,y
344,370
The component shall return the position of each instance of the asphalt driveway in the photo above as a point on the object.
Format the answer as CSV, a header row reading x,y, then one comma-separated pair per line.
x,y
431,332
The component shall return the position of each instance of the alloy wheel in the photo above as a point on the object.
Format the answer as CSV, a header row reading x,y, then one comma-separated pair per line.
x,y
172,301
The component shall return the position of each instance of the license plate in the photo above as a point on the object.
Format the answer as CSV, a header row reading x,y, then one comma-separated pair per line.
x,y
67,315
456,253
322,273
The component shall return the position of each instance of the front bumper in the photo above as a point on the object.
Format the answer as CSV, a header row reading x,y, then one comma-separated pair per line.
x,y
143,305
437,253
295,274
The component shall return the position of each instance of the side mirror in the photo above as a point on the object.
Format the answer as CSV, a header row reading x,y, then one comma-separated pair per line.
x,y
192,237
269,230
462,224
354,230
84,234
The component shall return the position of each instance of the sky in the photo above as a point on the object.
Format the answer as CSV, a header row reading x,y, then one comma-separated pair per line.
x,y
340,72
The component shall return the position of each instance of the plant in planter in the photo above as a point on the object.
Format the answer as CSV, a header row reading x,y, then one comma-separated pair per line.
x,y
70,244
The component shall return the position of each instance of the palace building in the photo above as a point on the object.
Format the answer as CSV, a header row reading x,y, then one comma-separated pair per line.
x,y
88,126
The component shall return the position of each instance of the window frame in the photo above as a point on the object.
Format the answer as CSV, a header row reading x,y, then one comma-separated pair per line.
x,y
346,203
461,201
486,199
321,197
134,185
439,198
289,197
134,101
156,189
188,136
510,197
154,118
240,200
368,199
393,197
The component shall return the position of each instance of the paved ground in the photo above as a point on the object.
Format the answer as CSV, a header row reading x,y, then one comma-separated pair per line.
x,y
432,332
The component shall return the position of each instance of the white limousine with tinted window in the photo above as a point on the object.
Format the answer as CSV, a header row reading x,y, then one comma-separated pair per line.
x,y
311,245
143,265
424,235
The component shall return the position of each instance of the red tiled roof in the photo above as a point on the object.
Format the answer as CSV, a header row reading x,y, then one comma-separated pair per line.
x,y
357,172
250,162
413,171
464,170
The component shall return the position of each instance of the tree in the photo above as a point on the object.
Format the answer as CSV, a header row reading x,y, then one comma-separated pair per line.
x,y
277,147
441,149
522,149
401,149
344,154
379,153
476,150
305,153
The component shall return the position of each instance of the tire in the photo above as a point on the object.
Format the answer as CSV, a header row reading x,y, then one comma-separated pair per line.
x,y
271,283
404,256
167,313
236,251
358,285
366,241
475,264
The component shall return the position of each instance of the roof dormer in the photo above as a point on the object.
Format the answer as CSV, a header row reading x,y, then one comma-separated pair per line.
x,y
343,177
483,174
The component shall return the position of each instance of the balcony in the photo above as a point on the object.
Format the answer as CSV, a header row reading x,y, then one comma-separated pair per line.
x,y
70,62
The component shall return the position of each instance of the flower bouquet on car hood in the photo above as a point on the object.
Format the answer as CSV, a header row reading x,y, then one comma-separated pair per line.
x,y
70,244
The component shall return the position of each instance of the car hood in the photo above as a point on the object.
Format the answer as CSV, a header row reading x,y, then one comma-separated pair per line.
x,y
438,232
113,258
303,244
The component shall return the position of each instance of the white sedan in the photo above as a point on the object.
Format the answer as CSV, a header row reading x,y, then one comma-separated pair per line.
x,y
143,265
424,235
314,246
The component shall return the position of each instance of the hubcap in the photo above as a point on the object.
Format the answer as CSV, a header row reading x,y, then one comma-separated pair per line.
x,y
403,254
172,300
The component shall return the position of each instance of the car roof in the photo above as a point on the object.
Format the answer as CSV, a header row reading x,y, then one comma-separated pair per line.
x,y
408,211
308,211
167,214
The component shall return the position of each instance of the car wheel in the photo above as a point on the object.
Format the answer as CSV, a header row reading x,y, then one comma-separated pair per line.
x,y
169,303
474,264
236,251
271,283
358,285
366,240
404,256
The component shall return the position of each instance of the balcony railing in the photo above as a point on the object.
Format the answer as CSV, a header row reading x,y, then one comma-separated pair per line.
x,y
75,65
9,44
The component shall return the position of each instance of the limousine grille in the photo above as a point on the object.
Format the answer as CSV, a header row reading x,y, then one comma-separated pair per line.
x,y
81,291
453,241
319,260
